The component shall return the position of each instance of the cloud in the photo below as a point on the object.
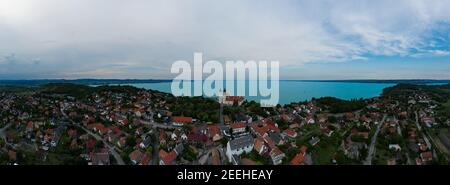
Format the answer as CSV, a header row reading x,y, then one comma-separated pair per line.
x,y
79,38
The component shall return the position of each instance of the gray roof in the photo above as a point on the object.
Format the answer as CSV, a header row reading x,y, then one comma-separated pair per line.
x,y
179,148
314,141
147,141
275,137
241,142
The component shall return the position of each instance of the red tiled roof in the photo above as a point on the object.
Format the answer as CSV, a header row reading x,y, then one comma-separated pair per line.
x,y
235,98
215,157
259,143
300,157
261,130
162,135
284,117
30,125
145,160
303,149
182,119
213,130
237,125
197,137
91,143
72,132
426,156
290,132
166,157
269,141
247,161
136,155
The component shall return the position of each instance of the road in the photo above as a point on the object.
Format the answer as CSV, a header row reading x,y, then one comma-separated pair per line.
x,y
417,121
427,135
98,138
111,148
2,130
371,151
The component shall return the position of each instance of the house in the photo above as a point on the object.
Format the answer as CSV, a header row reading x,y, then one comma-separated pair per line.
x,y
226,99
310,120
426,156
98,127
215,157
29,126
391,162
146,143
139,131
136,156
162,137
238,128
276,137
179,148
290,133
428,121
122,142
197,138
181,120
260,146
314,141
285,117
300,157
276,155
239,145
214,132
122,121
395,147
145,160
259,129
230,100
12,155
99,159
167,158
294,126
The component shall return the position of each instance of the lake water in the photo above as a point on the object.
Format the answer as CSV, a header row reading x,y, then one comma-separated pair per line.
x,y
295,91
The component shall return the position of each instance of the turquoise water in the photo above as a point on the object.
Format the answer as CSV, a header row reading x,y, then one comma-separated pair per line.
x,y
294,91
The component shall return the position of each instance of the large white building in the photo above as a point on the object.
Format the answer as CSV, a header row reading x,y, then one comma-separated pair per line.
x,y
226,99
239,145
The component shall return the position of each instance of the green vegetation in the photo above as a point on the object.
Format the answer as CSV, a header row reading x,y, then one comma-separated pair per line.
x,y
189,153
335,105
205,109
253,155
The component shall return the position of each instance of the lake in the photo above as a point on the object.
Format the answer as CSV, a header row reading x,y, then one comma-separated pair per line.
x,y
295,91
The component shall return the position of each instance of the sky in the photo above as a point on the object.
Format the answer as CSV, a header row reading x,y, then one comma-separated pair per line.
x,y
311,39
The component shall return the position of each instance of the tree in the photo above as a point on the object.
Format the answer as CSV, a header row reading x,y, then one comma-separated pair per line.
x,y
130,141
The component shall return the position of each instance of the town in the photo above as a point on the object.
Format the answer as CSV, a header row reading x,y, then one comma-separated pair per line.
x,y
68,124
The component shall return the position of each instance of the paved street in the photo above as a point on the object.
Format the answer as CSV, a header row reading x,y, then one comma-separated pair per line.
x,y
111,148
98,138
2,130
371,151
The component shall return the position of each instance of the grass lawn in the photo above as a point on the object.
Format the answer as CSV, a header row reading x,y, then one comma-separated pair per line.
x,y
323,153
446,110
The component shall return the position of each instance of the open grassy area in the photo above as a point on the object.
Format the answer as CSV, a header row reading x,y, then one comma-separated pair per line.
x,y
323,153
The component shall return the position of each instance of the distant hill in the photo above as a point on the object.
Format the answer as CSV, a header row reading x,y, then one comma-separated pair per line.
x,y
78,81
393,81
133,81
